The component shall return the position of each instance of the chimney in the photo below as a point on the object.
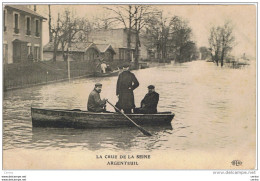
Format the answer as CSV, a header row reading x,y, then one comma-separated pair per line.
x,y
34,8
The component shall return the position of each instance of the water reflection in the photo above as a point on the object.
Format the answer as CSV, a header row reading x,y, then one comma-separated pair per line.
x,y
95,139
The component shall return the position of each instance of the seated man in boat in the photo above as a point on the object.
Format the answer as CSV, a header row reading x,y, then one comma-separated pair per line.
x,y
149,102
95,104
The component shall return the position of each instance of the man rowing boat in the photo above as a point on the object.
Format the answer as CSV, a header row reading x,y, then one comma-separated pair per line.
x,y
95,104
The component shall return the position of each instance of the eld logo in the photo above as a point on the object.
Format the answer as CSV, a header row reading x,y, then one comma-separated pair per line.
x,y
236,163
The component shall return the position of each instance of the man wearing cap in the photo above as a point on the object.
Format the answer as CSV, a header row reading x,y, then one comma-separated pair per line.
x,y
126,84
95,104
149,102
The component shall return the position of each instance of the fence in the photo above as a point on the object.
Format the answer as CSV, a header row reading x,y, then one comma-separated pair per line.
x,y
26,74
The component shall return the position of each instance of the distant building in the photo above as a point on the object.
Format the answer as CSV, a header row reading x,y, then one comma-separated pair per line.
x,y
117,38
83,51
106,51
22,34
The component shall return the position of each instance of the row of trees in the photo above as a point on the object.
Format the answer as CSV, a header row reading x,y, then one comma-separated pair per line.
x,y
67,29
170,37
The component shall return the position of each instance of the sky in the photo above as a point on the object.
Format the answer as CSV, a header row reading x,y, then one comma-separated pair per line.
x,y
200,18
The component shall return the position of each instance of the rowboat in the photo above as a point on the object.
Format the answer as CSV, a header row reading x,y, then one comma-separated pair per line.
x,y
62,118
107,74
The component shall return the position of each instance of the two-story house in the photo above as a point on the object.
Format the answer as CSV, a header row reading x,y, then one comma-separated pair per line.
x,y
22,34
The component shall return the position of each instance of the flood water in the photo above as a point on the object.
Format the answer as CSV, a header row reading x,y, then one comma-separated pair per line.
x,y
214,110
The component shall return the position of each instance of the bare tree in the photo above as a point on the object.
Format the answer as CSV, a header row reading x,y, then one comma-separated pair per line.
x,y
65,32
215,43
56,30
221,41
142,13
133,18
123,15
227,40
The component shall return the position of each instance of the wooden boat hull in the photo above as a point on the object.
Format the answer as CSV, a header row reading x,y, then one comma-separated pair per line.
x,y
59,118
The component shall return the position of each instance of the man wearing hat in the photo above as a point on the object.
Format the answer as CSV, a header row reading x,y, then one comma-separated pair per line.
x,y
95,104
126,84
149,102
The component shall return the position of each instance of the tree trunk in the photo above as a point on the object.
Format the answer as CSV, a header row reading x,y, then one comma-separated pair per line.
x,y
129,35
50,32
54,50
222,57
216,57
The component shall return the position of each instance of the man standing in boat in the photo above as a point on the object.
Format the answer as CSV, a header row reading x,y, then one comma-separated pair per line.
x,y
95,104
149,102
126,84
103,67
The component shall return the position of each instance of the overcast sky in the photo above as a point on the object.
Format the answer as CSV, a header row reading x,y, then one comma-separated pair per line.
x,y
200,18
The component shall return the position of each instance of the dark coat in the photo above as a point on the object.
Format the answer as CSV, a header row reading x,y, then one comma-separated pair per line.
x,y
126,83
149,103
95,104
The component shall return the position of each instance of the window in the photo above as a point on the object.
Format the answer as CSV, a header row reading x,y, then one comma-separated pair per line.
x,y
36,53
122,54
5,52
28,26
16,23
4,20
37,33
29,48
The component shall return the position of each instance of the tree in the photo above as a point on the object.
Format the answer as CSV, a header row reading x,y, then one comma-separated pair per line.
x,y
56,29
133,18
215,43
180,37
66,31
227,41
190,51
141,14
205,53
123,15
221,41
157,35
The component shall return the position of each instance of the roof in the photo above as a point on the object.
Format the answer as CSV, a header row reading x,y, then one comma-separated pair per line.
x,y
74,47
80,46
48,47
104,47
23,8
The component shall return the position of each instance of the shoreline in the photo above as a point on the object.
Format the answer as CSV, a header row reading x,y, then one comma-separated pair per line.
x,y
88,75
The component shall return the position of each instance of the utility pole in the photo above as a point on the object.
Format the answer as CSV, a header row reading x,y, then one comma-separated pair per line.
x,y
67,57
136,45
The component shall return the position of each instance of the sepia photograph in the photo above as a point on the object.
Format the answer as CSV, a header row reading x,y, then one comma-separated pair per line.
x,y
130,86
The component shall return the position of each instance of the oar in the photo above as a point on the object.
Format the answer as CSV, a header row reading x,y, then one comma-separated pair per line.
x,y
139,127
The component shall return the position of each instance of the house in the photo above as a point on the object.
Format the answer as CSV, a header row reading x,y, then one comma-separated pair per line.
x,y
22,40
78,51
117,38
106,51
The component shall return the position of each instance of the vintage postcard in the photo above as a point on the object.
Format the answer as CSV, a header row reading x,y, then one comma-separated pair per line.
x,y
129,86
